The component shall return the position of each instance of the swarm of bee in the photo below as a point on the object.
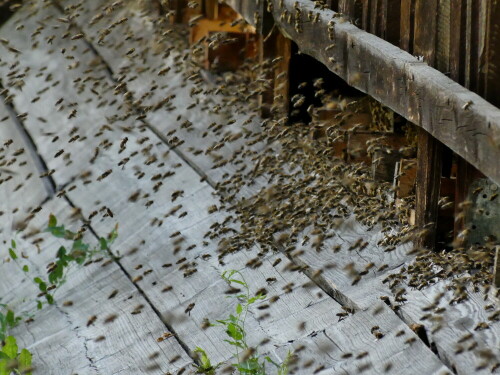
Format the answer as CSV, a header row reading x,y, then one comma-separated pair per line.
x,y
282,184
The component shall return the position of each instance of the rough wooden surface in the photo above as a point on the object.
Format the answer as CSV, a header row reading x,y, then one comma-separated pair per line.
x,y
151,267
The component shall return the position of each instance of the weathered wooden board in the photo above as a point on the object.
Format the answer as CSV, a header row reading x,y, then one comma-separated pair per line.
x,y
400,81
60,338
335,281
21,189
350,347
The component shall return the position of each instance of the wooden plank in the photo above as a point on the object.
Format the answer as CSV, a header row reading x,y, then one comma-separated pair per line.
x,y
492,51
425,40
21,188
335,281
391,21
60,337
407,27
350,347
370,60
457,37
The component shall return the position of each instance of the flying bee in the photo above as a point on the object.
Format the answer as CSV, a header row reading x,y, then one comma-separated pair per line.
x,y
91,320
189,308
110,318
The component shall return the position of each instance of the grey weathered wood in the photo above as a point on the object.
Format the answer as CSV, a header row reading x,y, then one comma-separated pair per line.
x,y
411,88
21,189
353,335
336,281
59,338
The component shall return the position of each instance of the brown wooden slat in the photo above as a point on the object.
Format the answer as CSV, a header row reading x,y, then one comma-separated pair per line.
x,y
390,22
457,37
429,162
407,25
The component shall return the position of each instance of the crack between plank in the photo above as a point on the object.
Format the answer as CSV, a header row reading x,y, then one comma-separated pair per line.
x,y
40,164
183,345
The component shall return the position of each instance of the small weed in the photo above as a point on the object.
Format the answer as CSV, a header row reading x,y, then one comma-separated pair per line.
x,y
8,320
19,363
79,253
248,359
12,361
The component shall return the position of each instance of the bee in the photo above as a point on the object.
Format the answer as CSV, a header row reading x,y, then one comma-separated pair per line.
x,y
113,294
467,105
104,175
110,318
176,194
100,338
67,303
189,308
91,320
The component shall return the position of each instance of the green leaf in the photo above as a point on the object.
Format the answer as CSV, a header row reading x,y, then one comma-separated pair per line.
x,y
61,252
37,280
49,298
205,361
238,282
234,343
103,243
239,309
39,305
52,221
80,245
13,255
25,362
58,232
11,319
10,347
26,268
3,367
13,244
4,356
42,286
234,332
249,366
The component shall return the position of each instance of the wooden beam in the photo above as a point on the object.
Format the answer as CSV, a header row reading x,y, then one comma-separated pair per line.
x,y
462,120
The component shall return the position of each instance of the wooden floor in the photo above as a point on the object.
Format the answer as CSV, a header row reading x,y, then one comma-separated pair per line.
x,y
87,78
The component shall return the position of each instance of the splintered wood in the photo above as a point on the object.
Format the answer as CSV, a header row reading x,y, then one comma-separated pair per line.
x,y
110,107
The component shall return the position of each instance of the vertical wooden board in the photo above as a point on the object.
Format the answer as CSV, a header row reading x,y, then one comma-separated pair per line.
x,y
391,21
457,38
425,30
472,42
491,56
443,30
427,188
407,26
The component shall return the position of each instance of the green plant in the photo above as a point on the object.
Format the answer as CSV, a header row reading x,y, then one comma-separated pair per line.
x,y
79,253
248,359
12,361
205,366
8,320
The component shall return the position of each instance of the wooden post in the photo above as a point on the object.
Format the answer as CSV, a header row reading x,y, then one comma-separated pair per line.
x,y
429,153
429,164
